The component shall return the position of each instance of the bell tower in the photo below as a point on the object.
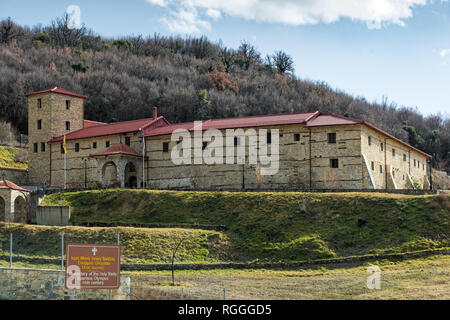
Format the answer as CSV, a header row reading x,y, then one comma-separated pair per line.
x,y
51,113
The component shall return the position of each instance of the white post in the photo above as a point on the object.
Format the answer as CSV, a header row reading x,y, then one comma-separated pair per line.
x,y
143,160
10,250
62,252
65,174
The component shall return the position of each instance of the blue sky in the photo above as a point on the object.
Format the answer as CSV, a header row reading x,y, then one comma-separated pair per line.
x,y
398,49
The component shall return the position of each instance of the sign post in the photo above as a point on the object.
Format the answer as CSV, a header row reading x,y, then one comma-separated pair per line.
x,y
92,266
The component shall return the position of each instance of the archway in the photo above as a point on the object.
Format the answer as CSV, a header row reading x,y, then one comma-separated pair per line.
x,y
109,173
20,210
2,209
130,175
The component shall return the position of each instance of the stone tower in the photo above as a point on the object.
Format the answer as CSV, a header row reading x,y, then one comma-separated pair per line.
x,y
51,113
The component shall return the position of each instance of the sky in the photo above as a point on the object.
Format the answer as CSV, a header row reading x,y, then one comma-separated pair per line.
x,y
397,50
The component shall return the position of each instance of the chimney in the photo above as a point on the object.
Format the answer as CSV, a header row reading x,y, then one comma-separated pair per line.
x,y
155,113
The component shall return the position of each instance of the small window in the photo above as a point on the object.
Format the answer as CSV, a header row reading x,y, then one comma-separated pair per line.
x,y
77,147
35,148
42,147
67,125
369,140
94,145
165,147
297,137
128,141
423,167
381,168
332,138
414,163
236,141
382,146
393,152
205,144
107,144
39,124
334,163
393,174
62,148
404,157
373,166
269,137
67,104
180,145
39,103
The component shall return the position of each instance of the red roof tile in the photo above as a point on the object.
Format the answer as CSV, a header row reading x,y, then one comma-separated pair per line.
x,y
5,184
110,129
331,120
57,90
118,149
242,122
90,123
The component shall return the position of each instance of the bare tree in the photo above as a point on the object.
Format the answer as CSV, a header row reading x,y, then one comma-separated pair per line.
x,y
282,61
8,30
63,35
247,55
173,260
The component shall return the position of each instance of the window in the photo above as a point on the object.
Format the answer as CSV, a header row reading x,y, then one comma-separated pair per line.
x,y
67,125
393,152
205,144
77,147
423,166
269,137
67,104
42,147
180,145
127,141
297,137
382,146
393,173
39,124
107,144
332,138
35,148
373,166
381,168
414,163
165,147
334,163
39,103
62,149
94,145
236,141
404,157
369,140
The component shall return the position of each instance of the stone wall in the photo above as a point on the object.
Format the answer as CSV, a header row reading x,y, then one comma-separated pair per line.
x,y
53,216
53,115
41,284
18,176
441,180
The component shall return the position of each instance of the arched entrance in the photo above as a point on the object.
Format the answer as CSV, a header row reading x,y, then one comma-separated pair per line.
x,y
109,173
2,209
20,210
130,175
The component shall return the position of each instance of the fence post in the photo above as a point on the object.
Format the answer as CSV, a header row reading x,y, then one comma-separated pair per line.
x,y
10,249
118,239
224,294
182,293
62,251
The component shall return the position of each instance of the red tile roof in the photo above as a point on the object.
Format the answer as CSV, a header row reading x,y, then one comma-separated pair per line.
x,y
330,119
57,90
241,122
110,129
90,123
5,184
122,149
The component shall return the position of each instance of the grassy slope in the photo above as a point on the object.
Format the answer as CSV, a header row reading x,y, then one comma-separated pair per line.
x,y
273,225
7,158
137,245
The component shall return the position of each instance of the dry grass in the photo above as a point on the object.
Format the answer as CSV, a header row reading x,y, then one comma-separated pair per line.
x,y
427,278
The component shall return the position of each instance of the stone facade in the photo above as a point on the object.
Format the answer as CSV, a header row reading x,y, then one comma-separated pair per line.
x,y
307,159
41,284
48,114
19,176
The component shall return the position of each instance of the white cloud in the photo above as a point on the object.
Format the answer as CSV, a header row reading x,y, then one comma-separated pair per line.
x,y
444,53
374,13
185,21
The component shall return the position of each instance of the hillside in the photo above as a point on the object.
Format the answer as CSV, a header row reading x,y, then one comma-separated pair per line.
x,y
12,157
187,79
286,226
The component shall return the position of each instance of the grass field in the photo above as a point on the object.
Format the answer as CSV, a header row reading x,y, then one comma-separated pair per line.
x,y
8,158
426,278
280,226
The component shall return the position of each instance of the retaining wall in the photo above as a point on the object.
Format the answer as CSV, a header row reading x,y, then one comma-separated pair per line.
x,y
53,216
